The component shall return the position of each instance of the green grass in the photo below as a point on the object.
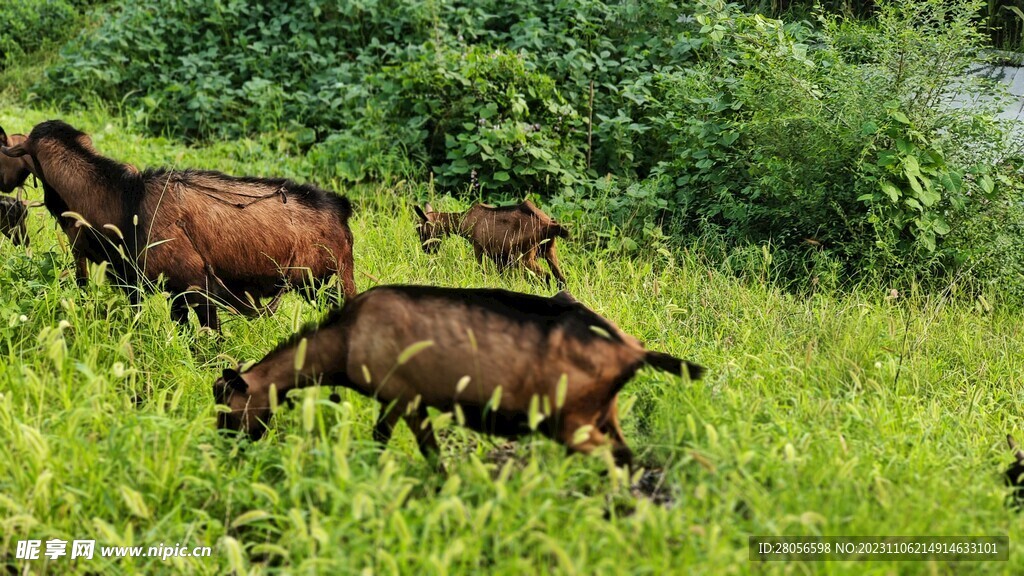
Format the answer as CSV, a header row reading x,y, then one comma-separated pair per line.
x,y
800,427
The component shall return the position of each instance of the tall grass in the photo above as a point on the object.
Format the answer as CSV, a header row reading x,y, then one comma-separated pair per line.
x,y
838,414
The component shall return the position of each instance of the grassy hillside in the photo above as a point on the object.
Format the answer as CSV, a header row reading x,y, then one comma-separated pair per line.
x,y
837,414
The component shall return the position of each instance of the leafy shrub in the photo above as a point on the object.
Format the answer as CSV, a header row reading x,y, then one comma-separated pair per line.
x,y
427,72
26,25
231,67
489,119
771,140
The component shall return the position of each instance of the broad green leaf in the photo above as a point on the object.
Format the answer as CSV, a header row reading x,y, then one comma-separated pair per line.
x,y
928,196
952,181
911,166
489,110
891,191
927,238
986,183
915,185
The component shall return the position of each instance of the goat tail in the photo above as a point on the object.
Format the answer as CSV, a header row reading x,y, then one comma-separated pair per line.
x,y
344,207
559,231
669,363
1017,452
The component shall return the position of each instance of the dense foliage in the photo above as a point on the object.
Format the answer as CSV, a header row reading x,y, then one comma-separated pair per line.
x,y
854,148
849,146
26,25
499,88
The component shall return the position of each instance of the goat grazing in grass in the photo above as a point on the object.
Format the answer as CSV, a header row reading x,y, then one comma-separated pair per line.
x,y
211,237
505,363
505,234
13,214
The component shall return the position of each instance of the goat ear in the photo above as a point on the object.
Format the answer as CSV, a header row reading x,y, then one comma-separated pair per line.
x,y
419,212
564,297
3,137
428,208
233,379
14,151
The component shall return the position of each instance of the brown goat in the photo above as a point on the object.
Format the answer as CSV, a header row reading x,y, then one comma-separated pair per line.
x,y
13,174
505,234
13,214
212,237
13,171
500,360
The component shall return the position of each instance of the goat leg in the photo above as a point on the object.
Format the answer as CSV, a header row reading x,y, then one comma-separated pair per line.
x,y
552,257
478,251
620,451
530,261
419,422
205,310
386,421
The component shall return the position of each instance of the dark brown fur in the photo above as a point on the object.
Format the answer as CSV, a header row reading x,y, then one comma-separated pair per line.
x,y
13,214
505,234
520,343
209,235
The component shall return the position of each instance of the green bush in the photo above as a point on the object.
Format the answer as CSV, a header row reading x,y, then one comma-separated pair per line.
x,y
26,26
771,140
489,121
427,72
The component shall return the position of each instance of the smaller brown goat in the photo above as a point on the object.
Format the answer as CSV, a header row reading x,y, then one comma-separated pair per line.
x,y
505,234
505,363
13,214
